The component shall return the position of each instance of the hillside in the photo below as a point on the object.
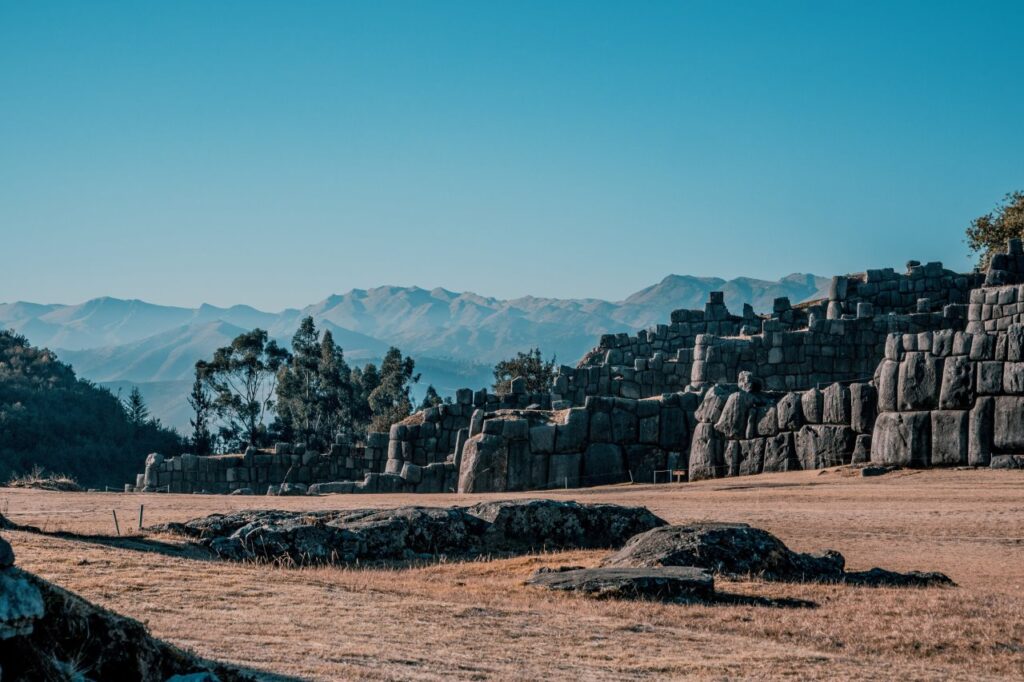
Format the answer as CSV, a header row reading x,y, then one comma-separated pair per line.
x,y
50,418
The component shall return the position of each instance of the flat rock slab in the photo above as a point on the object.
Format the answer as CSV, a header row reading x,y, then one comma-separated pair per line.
x,y
675,584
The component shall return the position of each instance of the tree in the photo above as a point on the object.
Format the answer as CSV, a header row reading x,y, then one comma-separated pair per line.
x,y
390,401
314,390
242,377
432,399
529,365
987,234
135,408
364,382
201,403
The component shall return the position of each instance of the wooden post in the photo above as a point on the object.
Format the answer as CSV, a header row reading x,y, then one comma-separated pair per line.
x,y
141,507
116,526
566,480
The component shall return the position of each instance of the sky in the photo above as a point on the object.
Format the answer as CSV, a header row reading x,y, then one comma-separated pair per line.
x,y
274,153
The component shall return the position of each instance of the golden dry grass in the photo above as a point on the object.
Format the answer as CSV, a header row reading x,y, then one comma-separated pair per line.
x,y
477,621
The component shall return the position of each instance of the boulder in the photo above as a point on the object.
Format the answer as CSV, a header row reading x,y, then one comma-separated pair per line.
x,y
706,454
780,454
812,403
333,487
836,404
789,412
887,381
732,422
731,549
676,584
824,446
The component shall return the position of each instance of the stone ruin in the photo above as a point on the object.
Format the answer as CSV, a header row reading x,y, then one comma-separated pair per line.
x,y
922,368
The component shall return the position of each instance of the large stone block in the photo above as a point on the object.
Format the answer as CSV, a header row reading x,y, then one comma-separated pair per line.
x,y
887,381
836,404
780,453
624,427
706,453
1013,378
569,437
600,427
732,423
564,470
812,403
957,390
1008,423
714,402
824,446
767,421
542,438
980,432
861,449
863,407
751,456
603,463
643,461
949,437
919,382
902,439
789,412
990,378
673,428
519,465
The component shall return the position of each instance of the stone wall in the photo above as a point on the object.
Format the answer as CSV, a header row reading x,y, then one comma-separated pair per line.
x,y
923,288
949,399
608,440
257,470
744,431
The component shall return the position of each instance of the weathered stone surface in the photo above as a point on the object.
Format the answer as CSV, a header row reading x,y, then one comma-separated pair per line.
x,y
780,453
836,399
767,423
918,382
714,402
863,407
902,439
542,438
706,453
861,449
332,488
990,378
603,463
730,549
751,456
1008,431
980,432
821,446
732,423
1013,378
949,437
887,381
812,402
564,470
1007,462
675,584
789,412
956,392
569,437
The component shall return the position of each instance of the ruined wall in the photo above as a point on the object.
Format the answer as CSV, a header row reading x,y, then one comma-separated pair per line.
x,y
741,432
923,288
948,399
608,440
258,469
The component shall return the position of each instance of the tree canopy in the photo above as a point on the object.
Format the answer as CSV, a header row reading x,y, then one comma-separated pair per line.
x,y
988,234
529,365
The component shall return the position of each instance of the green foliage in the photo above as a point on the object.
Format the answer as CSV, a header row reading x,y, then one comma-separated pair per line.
x,y
531,366
201,403
390,401
242,378
51,419
987,234
315,389
135,407
432,399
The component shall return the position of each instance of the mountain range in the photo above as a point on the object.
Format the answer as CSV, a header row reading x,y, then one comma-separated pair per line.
x,y
454,337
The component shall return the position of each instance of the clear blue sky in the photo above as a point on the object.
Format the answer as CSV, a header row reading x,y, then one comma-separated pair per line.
x,y
274,153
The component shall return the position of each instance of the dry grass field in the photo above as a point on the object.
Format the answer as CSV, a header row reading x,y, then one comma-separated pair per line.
x,y
477,621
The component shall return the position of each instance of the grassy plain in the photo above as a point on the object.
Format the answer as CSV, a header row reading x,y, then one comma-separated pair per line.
x,y
477,620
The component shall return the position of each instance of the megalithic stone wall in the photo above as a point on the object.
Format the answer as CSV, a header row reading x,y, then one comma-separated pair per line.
x,y
951,399
741,431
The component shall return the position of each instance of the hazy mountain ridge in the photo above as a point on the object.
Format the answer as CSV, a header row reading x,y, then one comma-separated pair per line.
x,y
454,337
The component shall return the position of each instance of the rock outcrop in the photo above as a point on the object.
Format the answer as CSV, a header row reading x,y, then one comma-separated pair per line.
x,y
675,584
416,533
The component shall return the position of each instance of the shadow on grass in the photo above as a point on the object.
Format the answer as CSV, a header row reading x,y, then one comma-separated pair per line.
x,y
135,543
